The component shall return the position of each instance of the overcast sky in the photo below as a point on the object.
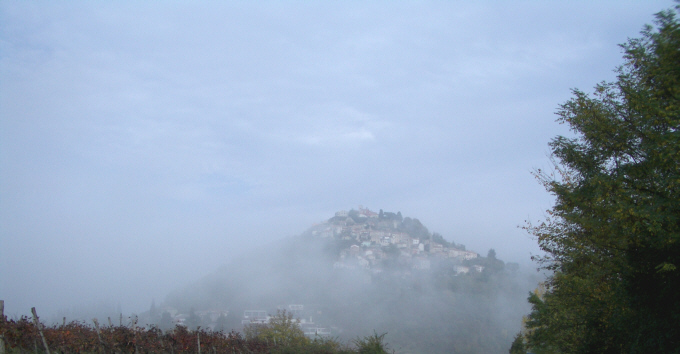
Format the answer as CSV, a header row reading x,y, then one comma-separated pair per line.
x,y
143,144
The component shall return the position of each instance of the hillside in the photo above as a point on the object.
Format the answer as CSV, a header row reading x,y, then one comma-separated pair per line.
x,y
361,271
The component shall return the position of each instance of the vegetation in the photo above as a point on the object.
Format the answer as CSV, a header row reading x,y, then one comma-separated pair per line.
x,y
281,329
281,335
371,344
415,228
612,238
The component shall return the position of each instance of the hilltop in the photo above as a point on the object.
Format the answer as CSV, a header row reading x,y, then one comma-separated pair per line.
x,y
367,239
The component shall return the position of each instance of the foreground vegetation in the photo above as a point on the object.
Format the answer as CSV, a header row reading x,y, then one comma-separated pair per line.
x,y
613,237
281,335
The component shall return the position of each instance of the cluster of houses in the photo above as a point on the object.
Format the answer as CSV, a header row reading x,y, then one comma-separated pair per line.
x,y
375,237
207,319
307,324
210,319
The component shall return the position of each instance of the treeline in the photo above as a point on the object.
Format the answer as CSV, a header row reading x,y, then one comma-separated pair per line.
x,y
26,335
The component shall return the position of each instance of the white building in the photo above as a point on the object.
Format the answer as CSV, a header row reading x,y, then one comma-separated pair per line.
x,y
255,316
461,269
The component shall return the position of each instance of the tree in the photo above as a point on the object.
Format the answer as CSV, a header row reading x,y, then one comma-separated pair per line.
x,y
438,238
491,263
518,346
221,323
371,344
612,239
166,323
282,329
206,320
193,321
153,313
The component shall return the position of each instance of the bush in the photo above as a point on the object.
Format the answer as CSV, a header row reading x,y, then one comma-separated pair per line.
x,y
371,344
282,330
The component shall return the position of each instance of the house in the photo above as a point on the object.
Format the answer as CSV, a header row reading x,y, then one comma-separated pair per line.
x,y
376,235
255,316
457,253
328,232
470,255
316,331
180,319
364,235
354,250
337,229
367,213
213,315
461,269
296,309
399,237
454,252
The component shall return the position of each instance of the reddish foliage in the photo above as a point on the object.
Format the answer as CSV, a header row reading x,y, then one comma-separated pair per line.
x,y
77,337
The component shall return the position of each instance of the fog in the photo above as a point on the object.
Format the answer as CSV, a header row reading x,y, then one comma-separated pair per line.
x,y
339,280
145,145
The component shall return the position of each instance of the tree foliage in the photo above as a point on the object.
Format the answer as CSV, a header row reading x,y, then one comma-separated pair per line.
x,y
518,346
372,344
282,329
612,239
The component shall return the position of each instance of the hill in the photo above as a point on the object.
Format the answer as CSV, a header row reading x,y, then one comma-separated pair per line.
x,y
361,271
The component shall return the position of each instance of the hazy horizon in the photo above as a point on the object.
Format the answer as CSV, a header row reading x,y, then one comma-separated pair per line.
x,y
145,144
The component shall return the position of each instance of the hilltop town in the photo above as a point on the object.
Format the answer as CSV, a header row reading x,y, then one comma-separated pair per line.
x,y
372,237
364,245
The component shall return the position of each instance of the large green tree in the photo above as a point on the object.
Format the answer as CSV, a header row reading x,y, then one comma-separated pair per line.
x,y
612,239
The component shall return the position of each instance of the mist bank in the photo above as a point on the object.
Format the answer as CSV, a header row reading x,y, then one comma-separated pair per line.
x,y
425,302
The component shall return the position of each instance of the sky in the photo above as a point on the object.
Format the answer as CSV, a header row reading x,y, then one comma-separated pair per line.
x,y
144,144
